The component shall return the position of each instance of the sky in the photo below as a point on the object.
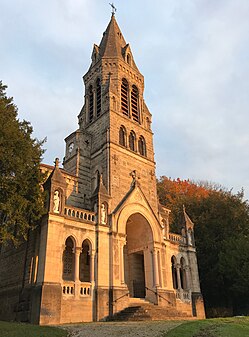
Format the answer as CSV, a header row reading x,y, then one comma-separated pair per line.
x,y
194,55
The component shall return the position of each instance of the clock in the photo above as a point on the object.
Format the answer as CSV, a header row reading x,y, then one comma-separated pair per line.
x,y
70,147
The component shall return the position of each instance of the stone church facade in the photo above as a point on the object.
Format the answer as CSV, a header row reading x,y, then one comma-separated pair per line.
x,y
105,239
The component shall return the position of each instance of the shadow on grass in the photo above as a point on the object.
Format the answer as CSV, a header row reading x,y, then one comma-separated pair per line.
x,y
9,329
218,327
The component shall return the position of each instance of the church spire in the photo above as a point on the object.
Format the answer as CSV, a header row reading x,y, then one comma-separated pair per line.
x,y
112,42
113,46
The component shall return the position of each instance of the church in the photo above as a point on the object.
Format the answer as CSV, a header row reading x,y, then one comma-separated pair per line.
x,y
104,244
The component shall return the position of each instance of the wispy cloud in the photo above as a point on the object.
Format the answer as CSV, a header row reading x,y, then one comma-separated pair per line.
x,y
193,54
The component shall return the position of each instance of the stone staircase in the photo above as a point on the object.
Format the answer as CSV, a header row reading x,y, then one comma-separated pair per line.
x,y
142,310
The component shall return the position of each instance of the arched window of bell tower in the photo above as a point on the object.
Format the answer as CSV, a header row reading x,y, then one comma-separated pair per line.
x,y
132,141
134,104
122,136
142,146
90,93
128,59
125,97
98,97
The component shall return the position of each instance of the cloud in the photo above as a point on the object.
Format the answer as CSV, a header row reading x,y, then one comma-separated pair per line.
x,y
209,115
193,55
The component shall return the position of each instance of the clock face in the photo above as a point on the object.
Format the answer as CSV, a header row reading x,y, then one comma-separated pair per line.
x,y
70,147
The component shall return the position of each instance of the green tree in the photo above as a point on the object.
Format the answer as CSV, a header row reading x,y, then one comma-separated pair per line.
x,y
234,265
21,197
221,230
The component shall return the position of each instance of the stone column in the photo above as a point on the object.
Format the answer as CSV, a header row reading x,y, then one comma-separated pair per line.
x,y
87,107
160,269
94,103
92,265
77,252
178,266
121,252
155,264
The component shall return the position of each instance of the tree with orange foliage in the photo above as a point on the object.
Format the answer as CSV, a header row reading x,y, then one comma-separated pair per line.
x,y
221,233
174,193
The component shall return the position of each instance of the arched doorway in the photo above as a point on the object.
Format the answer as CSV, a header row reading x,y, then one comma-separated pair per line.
x,y
137,262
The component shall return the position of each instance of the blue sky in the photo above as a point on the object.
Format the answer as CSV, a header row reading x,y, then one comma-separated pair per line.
x,y
193,54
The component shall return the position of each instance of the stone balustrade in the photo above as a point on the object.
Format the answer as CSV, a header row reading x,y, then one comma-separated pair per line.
x,y
68,288
85,289
176,238
183,295
79,214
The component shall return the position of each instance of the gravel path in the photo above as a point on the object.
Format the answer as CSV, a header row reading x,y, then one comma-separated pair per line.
x,y
121,329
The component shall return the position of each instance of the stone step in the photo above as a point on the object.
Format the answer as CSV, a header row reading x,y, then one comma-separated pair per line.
x,y
136,300
148,312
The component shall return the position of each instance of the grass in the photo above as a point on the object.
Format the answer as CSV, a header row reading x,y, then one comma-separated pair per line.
x,y
217,327
9,329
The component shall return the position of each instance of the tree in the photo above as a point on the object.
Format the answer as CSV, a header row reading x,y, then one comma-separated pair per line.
x,y
21,197
221,230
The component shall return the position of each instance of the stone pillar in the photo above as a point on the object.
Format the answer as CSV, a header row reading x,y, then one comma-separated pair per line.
x,y
160,269
92,266
94,103
121,252
178,266
77,252
87,108
155,264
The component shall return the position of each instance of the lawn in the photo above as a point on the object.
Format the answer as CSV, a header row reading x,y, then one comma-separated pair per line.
x,y
8,329
217,327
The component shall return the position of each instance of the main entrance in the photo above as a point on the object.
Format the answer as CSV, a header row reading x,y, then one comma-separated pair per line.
x,y
137,274
137,264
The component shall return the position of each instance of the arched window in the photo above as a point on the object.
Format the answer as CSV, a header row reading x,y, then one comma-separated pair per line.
x,y
98,97
128,58
183,274
85,262
90,93
132,141
134,104
174,273
142,146
125,97
122,136
68,260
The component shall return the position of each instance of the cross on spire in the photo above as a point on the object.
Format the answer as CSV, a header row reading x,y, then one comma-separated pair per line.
x,y
114,9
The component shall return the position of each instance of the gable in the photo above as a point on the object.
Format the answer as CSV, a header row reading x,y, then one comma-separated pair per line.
x,y
135,202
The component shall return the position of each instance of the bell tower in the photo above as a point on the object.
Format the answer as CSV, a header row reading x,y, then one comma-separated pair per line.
x,y
114,137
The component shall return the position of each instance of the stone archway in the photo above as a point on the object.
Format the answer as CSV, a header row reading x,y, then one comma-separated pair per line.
x,y
137,257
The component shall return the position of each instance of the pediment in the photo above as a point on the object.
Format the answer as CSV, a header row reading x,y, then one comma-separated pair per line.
x,y
133,196
134,201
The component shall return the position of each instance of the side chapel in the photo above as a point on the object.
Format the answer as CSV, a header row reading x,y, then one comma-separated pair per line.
x,y
105,241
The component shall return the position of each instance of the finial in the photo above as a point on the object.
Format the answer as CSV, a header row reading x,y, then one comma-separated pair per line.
x,y
114,9
56,162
